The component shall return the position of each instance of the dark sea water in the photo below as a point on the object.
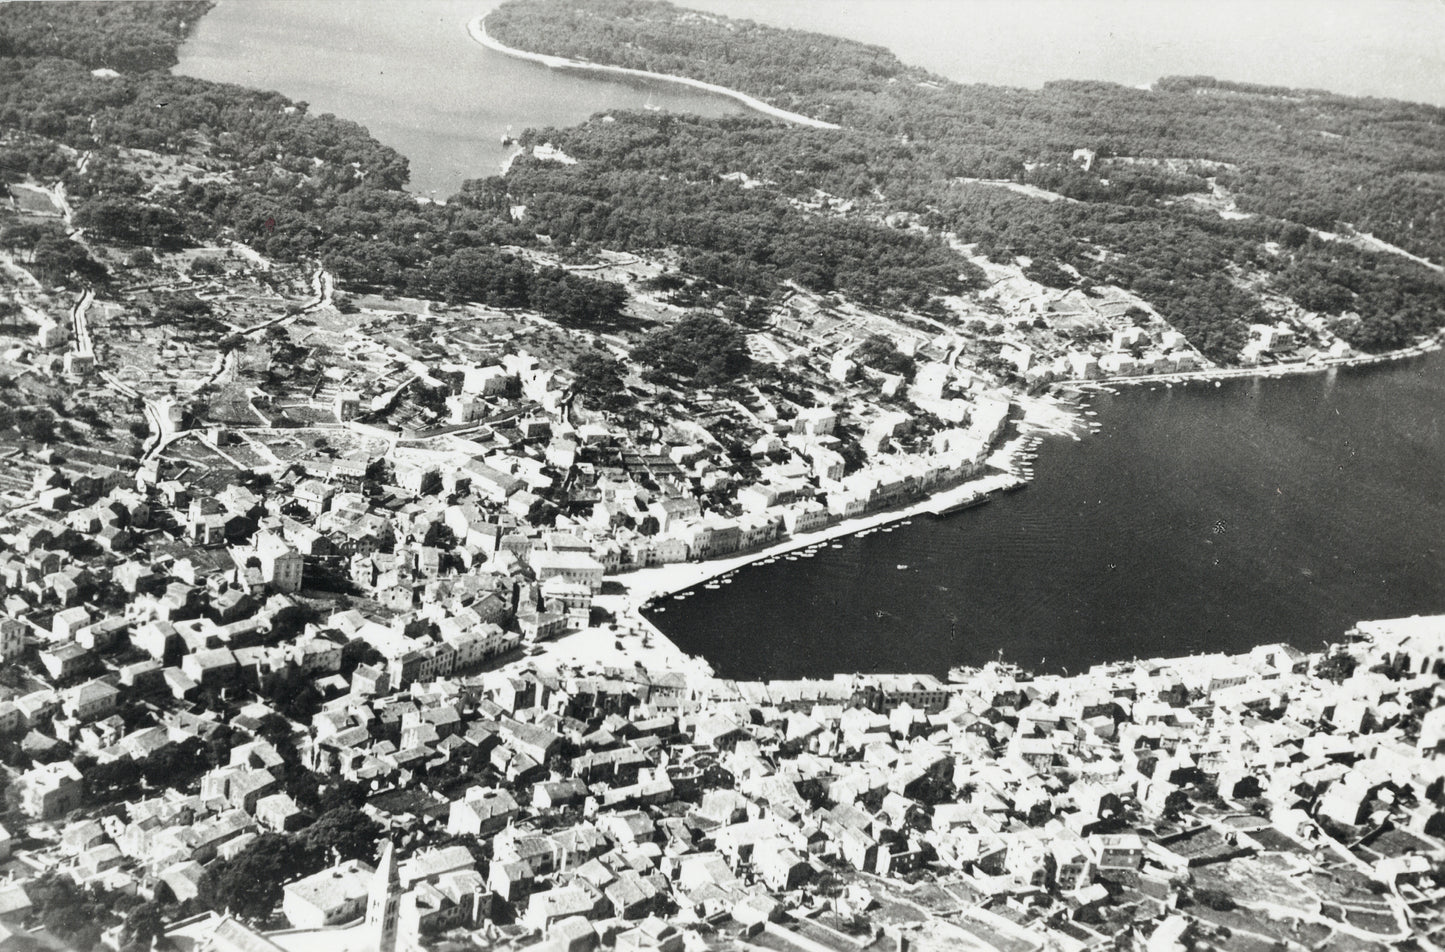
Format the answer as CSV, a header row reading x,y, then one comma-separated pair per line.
x,y
1198,518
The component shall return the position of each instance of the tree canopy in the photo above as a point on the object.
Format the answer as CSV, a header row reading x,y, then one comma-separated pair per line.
x,y
1141,210
598,377
879,352
701,349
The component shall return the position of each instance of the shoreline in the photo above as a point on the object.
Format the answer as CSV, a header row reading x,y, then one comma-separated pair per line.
x,y
1429,345
633,639
1051,412
652,586
642,586
477,30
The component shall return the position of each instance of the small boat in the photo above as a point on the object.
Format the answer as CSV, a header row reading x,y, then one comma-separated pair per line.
x,y
680,597
792,558
836,545
659,609
902,567
713,585
726,581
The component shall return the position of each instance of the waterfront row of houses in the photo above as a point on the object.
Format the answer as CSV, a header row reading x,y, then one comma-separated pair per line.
x,y
1061,812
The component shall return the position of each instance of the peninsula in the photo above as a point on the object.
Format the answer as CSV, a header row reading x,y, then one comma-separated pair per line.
x,y
477,29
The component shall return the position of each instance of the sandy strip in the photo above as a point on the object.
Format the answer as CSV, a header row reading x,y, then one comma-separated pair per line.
x,y
477,29
645,584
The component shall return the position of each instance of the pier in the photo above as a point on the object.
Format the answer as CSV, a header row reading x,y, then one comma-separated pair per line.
x,y
973,493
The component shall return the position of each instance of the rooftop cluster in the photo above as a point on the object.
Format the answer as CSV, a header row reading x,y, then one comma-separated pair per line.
x,y
1209,801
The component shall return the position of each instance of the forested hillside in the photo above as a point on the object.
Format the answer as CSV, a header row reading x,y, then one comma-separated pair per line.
x,y
121,35
291,184
913,142
746,203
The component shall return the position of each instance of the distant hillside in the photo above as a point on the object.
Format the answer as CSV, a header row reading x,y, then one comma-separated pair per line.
x,y
1147,195
294,185
119,35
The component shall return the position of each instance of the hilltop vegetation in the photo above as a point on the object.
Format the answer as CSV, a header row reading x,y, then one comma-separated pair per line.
x,y
750,206
654,181
916,143
265,170
1308,156
120,35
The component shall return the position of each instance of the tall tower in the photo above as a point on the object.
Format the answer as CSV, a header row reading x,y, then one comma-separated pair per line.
x,y
384,902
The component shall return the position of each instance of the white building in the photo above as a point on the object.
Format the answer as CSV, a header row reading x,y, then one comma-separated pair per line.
x,y
568,566
328,898
816,421
281,563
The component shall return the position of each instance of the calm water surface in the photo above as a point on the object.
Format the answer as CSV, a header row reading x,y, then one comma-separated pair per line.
x,y
1393,48
1197,519
409,72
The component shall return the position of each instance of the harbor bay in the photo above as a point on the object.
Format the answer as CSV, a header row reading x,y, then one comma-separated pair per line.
x,y
410,73
1195,518
908,517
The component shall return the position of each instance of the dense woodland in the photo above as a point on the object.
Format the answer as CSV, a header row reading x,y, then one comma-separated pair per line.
x,y
916,143
259,179
122,35
826,210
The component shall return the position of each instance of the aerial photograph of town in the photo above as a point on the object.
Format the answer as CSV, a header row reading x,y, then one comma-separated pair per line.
x,y
789,475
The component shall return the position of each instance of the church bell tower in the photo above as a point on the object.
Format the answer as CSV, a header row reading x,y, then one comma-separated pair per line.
x,y
384,902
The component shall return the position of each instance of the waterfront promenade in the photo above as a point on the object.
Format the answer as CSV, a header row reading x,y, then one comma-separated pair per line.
x,y
1428,345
